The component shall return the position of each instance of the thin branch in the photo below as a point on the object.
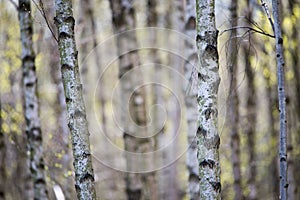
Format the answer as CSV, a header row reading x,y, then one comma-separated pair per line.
x,y
14,4
249,29
42,11
265,6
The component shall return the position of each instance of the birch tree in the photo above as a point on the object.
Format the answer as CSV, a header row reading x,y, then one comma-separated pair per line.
x,y
233,103
208,139
133,112
30,104
2,157
191,99
84,175
294,50
282,102
250,125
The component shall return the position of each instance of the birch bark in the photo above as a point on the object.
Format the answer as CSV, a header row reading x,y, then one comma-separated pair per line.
x,y
208,139
84,175
282,102
30,105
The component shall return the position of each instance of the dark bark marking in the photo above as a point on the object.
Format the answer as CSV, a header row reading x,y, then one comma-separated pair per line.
x,y
212,50
28,58
125,69
63,35
209,163
86,176
25,6
134,194
282,159
217,145
79,114
194,177
198,38
207,113
191,23
216,186
280,40
68,100
35,133
66,67
30,84
71,20
39,181
201,131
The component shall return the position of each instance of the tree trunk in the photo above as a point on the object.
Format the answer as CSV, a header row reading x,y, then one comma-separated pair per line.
x,y
250,125
2,157
233,104
62,134
282,103
191,99
294,50
250,116
31,107
157,129
84,175
176,63
135,133
208,139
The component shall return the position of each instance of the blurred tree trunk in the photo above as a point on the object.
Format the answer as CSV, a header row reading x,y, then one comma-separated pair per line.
x,y
78,125
233,103
31,107
208,139
89,30
138,186
294,50
191,98
2,157
176,63
157,127
250,126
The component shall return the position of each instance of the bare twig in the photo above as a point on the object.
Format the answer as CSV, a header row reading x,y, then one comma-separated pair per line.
x,y
249,29
265,6
14,4
42,11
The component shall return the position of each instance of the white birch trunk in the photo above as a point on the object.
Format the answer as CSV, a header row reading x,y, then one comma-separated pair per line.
x,y
84,175
208,139
31,106
282,103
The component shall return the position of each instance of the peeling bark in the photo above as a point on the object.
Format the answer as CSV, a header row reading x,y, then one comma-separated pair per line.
x,y
208,84
31,107
84,175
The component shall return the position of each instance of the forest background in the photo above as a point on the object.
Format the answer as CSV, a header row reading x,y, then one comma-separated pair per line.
x,y
248,157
